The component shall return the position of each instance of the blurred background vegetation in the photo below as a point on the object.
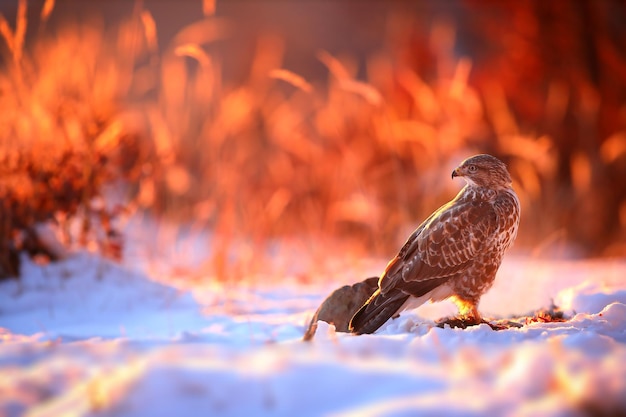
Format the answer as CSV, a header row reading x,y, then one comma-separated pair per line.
x,y
314,120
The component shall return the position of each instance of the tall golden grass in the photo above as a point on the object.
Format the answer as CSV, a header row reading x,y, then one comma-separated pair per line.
x,y
63,136
354,159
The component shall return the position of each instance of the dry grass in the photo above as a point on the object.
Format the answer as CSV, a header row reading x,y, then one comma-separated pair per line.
x,y
62,137
358,159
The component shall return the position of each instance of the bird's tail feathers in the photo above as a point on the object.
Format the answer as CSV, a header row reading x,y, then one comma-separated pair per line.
x,y
376,311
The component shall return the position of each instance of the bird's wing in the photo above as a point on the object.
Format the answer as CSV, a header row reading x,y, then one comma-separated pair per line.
x,y
441,247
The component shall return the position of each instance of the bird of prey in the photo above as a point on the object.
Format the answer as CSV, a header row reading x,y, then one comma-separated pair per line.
x,y
454,253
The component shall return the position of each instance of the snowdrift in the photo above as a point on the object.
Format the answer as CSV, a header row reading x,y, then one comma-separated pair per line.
x,y
86,337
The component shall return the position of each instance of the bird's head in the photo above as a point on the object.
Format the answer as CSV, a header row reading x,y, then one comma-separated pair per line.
x,y
484,171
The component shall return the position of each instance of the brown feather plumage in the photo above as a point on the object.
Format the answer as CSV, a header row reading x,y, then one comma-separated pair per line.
x,y
455,252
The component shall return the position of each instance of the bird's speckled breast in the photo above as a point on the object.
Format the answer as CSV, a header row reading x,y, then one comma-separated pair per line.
x,y
472,284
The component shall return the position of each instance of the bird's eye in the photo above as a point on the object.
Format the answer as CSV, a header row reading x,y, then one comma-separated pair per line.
x,y
472,168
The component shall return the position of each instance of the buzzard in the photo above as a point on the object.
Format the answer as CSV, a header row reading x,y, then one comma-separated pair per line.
x,y
454,253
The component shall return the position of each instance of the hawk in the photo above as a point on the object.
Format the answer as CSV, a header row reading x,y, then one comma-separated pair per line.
x,y
454,253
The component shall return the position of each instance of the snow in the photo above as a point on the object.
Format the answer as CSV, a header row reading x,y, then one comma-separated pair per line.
x,y
87,337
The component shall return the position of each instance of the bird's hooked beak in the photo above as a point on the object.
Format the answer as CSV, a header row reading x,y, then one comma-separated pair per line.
x,y
456,173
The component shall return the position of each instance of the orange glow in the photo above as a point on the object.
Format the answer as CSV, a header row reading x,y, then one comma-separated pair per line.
x,y
614,148
46,10
150,30
292,78
208,7
581,172
359,147
194,51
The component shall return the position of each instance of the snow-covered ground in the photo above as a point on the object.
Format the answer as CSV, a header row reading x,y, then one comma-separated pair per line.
x,y
88,337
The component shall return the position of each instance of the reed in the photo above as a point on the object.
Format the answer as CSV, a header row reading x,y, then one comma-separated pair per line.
x,y
357,159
